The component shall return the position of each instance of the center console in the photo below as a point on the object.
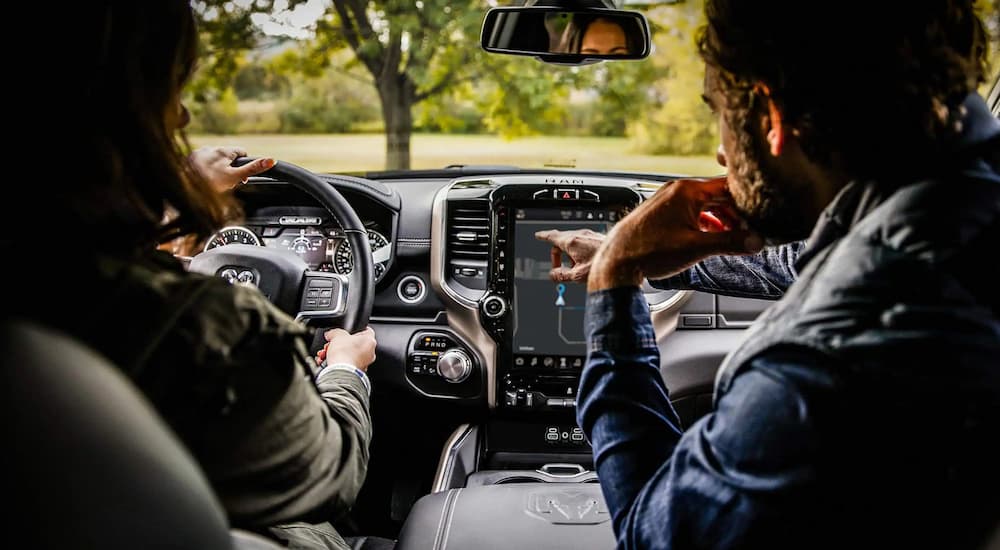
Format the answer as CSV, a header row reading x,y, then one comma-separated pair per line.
x,y
537,324
526,459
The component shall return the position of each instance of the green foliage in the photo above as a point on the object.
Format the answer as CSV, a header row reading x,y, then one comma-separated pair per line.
x,y
449,114
274,96
259,117
622,94
991,15
259,81
676,122
218,116
226,32
523,97
331,104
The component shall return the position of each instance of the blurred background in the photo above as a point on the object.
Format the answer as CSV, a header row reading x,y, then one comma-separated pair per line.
x,y
363,85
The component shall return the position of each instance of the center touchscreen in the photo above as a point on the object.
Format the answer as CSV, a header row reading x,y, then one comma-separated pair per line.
x,y
548,317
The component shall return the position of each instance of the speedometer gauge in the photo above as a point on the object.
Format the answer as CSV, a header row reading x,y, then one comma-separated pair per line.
x,y
232,235
343,260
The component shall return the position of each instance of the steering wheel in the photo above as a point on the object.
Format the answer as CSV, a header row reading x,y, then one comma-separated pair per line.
x,y
286,280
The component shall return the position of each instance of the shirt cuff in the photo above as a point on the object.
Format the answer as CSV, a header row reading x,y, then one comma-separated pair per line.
x,y
676,282
347,368
618,321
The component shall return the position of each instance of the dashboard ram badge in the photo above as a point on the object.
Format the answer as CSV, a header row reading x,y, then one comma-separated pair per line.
x,y
568,507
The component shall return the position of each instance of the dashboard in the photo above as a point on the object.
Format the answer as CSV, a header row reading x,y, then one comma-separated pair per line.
x,y
465,313
280,217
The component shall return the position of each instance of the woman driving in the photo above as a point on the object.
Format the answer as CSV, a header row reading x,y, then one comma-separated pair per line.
x,y
228,371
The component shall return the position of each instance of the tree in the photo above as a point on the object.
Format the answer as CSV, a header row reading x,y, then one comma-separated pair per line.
x,y
413,51
226,31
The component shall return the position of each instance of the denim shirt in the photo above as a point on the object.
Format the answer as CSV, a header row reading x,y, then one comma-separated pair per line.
x,y
785,459
670,488
765,275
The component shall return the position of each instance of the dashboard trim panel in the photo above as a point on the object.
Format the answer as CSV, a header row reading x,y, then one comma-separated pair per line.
x,y
463,314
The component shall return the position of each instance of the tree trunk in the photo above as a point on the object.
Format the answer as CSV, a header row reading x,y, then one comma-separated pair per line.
x,y
397,96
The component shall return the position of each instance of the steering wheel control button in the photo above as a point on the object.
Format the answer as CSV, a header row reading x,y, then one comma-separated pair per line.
x,y
322,293
454,366
411,289
229,275
494,307
246,277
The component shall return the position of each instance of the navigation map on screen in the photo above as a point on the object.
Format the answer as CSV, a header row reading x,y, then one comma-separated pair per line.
x,y
549,316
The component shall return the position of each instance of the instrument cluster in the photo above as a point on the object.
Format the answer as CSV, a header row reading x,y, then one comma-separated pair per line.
x,y
322,248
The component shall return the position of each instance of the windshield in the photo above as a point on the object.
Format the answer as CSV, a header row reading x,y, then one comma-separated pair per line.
x,y
356,86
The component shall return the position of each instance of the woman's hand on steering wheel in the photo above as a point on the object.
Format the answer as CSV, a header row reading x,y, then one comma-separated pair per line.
x,y
214,164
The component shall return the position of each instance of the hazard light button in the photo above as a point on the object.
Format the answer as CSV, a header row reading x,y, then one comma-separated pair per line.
x,y
567,194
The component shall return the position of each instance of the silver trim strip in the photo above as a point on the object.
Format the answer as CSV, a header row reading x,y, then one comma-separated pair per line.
x,y
463,314
446,465
722,322
227,228
452,504
671,302
440,318
579,469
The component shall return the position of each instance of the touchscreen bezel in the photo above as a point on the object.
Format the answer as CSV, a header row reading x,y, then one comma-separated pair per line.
x,y
504,201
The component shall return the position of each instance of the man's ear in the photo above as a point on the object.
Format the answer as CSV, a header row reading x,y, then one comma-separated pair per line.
x,y
773,123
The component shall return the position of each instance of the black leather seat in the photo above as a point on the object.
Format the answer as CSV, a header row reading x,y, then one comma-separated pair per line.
x,y
553,516
92,465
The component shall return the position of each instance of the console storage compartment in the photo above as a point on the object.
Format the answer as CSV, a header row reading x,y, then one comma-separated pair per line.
x,y
523,515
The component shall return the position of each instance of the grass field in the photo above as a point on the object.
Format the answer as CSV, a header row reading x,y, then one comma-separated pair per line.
x,y
361,152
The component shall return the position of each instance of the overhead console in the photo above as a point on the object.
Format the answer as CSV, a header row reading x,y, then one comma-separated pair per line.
x,y
494,275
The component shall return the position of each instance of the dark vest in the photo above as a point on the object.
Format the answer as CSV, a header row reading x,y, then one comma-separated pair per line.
x,y
897,297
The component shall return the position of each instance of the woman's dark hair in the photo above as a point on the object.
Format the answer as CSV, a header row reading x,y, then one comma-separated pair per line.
x,y
871,87
129,160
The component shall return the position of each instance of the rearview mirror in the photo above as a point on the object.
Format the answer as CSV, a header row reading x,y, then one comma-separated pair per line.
x,y
567,36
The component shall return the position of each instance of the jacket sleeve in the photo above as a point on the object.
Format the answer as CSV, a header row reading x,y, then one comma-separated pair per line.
x,y
715,485
765,275
276,445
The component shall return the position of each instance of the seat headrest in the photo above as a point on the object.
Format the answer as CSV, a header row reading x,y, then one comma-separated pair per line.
x,y
93,465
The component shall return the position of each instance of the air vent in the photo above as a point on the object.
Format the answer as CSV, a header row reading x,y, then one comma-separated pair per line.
x,y
469,230
468,241
473,184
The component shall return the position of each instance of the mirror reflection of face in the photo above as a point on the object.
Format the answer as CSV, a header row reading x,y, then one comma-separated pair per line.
x,y
604,37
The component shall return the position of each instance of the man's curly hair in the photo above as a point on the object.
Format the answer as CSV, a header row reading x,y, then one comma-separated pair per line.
x,y
871,86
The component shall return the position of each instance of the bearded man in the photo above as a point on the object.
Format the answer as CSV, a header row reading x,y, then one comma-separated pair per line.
x,y
863,408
